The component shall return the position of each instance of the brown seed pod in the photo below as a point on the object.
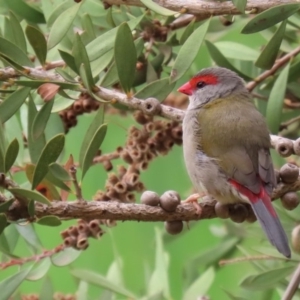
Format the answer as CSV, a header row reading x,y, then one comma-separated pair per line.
x,y
284,147
290,200
296,238
169,200
277,175
297,146
150,198
107,165
251,216
173,227
82,242
289,173
152,106
70,241
222,210
238,213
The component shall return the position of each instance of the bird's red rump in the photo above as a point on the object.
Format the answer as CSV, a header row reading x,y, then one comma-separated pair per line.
x,y
208,79
261,196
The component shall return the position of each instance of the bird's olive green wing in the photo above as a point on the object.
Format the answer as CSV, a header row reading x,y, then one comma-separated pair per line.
x,y
237,138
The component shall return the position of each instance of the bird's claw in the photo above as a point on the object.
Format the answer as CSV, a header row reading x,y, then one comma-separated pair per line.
x,y
194,200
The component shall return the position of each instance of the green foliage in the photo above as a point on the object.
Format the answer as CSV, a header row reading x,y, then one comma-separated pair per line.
x,y
83,48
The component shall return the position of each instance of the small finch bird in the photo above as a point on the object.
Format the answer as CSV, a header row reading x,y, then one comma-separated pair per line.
x,y
226,146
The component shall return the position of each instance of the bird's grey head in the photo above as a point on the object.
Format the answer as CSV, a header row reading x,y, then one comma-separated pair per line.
x,y
210,84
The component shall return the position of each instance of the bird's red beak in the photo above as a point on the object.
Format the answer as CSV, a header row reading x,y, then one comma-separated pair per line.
x,y
186,89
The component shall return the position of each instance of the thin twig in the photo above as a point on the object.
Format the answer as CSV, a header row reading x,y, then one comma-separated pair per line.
x,y
78,191
293,285
250,258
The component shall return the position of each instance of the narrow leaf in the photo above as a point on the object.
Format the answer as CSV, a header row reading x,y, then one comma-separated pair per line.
x,y
3,222
240,5
158,89
275,102
49,154
5,205
157,8
188,52
62,24
17,32
92,148
59,172
266,280
11,154
270,17
29,235
28,194
9,285
125,56
65,257
12,103
98,280
40,270
41,119
269,54
69,60
38,43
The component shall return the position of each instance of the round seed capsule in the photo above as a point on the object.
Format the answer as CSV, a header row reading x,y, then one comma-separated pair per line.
x,y
238,213
150,198
222,210
290,200
289,173
169,200
174,227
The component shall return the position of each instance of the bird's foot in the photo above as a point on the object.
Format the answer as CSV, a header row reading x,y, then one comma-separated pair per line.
x,y
194,200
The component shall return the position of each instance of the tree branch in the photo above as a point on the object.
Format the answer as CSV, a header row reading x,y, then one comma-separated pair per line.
x,y
205,9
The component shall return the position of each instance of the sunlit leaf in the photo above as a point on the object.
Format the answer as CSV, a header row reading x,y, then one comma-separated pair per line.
x,y
266,280
11,153
58,10
46,292
9,285
29,235
125,56
188,52
201,285
240,5
65,257
99,280
16,32
270,52
157,8
38,43
187,32
62,24
40,270
3,222
28,194
270,17
12,103
275,102
49,154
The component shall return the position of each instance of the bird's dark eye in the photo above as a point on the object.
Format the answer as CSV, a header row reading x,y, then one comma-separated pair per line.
x,y
201,84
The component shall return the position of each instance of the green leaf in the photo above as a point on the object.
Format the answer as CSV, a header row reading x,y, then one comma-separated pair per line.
x,y
49,154
2,148
69,60
29,12
59,172
222,61
125,56
11,154
99,280
158,89
105,42
14,53
158,282
9,285
266,280
275,102
37,83
12,103
49,221
94,127
269,54
201,285
65,257
41,119
92,148
270,17
62,24
158,9
187,32
101,63
28,194
46,292
188,52
3,222
35,146
237,51
82,62
40,270
29,235
111,76
4,206
38,43
58,10
240,5
16,32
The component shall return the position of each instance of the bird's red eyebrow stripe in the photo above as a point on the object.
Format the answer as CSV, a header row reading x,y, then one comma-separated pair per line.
x,y
208,79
